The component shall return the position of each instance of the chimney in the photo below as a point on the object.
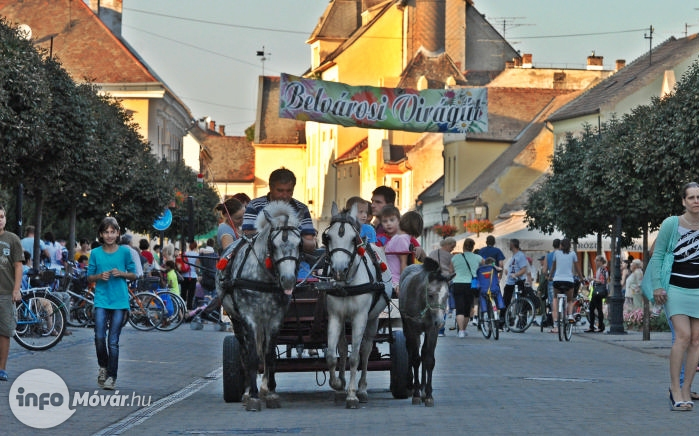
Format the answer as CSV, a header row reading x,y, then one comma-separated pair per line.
x,y
517,61
595,62
509,64
212,126
527,60
222,130
430,18
620,63
109,12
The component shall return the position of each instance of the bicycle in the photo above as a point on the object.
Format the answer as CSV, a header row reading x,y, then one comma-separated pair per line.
x,y
174,307
40,319
146,310
175,310
489,317
581,309
519,315
565,326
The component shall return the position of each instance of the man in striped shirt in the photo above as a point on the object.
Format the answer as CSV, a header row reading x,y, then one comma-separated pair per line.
x,y
281,188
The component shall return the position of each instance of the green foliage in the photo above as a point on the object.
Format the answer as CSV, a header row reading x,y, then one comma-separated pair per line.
x,y
633,167
79,154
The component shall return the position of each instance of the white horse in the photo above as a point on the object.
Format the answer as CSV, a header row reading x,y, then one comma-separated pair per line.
x,y
362,291
254,288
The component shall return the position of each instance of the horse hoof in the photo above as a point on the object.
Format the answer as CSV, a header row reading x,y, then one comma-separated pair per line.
x,y
417,401
352,404
273,402
363,397
429,402
253,405
340,397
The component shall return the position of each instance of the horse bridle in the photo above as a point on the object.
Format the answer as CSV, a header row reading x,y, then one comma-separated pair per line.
x,y
341,232
273,232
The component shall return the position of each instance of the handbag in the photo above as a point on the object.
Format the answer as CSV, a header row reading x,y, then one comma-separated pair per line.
x,y
600,289
474,280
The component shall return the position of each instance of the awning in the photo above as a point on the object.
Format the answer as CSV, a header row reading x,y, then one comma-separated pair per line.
x,y
534,241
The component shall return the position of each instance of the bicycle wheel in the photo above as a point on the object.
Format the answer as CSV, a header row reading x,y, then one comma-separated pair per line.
x,y
560,326
493,322
146,311
519,315
78,314
175,311
486,327
568,331
40,321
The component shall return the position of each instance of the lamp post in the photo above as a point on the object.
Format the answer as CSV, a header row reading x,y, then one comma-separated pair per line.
x,y
615,301
445,215
445,218
478,211
479,206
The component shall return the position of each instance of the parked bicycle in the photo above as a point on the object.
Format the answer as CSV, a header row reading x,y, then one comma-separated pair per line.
x,y
520,313
581,308
40,319
146,310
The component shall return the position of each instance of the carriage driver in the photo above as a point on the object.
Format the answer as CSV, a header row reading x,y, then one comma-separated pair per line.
x,y
281,188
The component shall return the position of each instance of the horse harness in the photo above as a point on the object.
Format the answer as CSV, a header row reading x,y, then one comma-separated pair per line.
x,y
374,286
239,282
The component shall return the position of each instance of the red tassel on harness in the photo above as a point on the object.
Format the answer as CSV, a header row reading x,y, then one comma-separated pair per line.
x,y
221,264
383,267
361,251
268,263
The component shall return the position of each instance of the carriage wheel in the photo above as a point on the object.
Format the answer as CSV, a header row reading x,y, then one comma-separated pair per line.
x,y
233,376
400,367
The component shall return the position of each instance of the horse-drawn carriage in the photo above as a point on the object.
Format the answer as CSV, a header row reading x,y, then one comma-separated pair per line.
x,y
283,325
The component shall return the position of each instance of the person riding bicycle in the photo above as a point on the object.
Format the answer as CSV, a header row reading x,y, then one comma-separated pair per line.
x,y
488,280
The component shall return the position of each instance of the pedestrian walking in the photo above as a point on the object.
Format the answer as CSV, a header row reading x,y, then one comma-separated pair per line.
x,y
110,266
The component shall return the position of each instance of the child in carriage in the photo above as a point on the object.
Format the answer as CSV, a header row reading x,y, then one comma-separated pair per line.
x,y
488,279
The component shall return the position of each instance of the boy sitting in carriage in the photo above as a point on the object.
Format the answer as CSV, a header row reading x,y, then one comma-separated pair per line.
x,y
487,275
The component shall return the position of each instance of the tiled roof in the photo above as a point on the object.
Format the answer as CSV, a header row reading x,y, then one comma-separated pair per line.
x,y
510,110
353,152
234,160
631,78
434,191
81,42
270,129
507,158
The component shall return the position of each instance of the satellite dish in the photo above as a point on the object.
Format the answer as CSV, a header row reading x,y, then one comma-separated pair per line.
x,y
163,221
24,31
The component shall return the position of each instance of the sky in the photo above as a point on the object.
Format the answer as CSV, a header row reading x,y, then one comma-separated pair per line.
x,y
206,51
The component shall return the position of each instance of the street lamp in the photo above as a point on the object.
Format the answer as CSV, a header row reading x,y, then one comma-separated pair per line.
x,y
445,215
479,206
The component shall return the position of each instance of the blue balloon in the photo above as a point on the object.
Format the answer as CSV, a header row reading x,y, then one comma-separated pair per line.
x,y
163,221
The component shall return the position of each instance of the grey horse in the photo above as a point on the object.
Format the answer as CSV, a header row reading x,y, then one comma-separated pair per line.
x,y
255,286
361,292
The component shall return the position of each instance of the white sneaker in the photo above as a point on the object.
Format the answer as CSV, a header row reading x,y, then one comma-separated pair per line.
x,y
101,377
474,321
109,384
462,333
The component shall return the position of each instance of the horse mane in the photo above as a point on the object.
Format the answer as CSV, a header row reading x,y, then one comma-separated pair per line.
x,y
281,214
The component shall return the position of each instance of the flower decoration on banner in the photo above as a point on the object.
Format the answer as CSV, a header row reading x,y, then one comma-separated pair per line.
x,y
479,226
445,230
